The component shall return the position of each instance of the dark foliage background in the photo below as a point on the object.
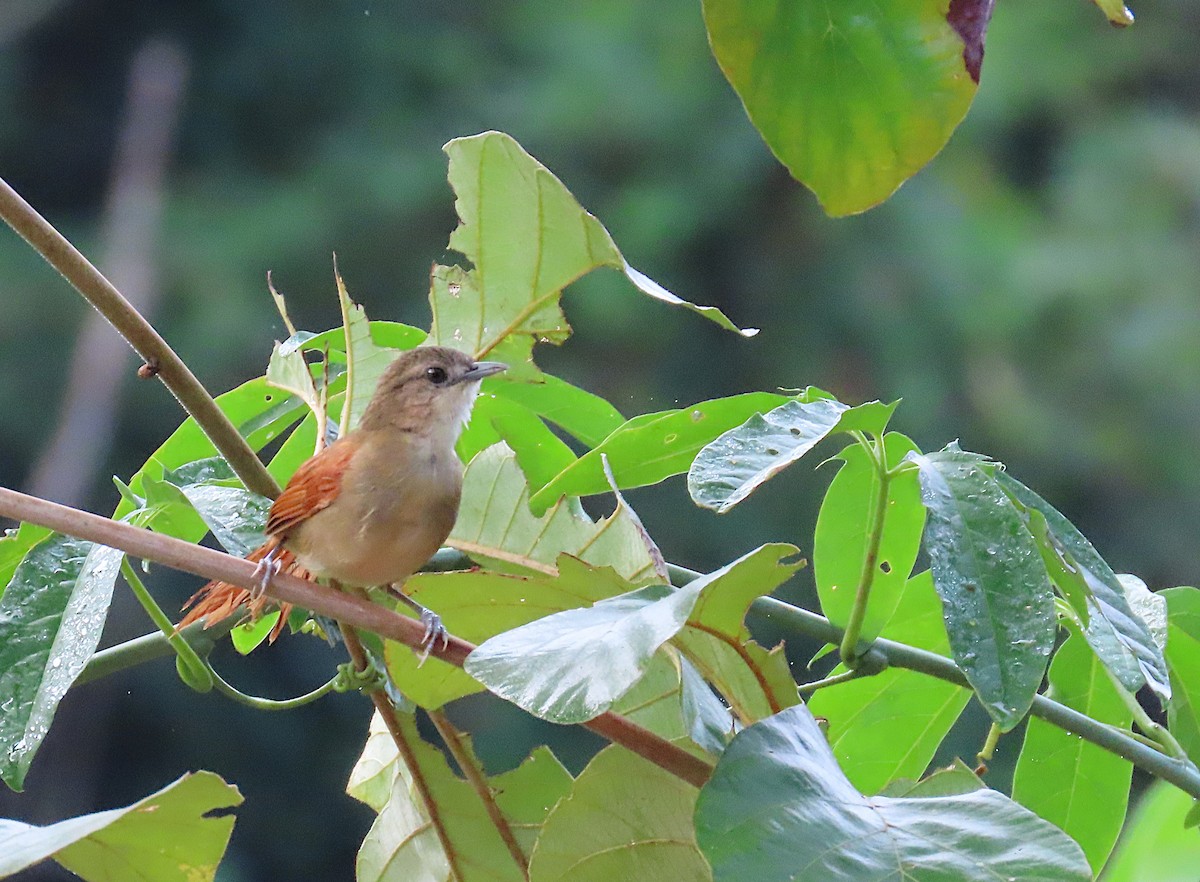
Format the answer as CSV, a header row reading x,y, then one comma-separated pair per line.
x,y
1033,293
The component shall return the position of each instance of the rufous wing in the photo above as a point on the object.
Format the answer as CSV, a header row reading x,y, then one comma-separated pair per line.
x,y
313,487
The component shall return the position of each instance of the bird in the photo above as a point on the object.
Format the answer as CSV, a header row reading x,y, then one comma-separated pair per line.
x,y
371,508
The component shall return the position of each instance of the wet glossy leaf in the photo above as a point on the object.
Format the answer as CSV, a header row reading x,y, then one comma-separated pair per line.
x,y
167,837
996,597
710,723
738,462
1080,788
1148,606
571,666
14,545
854,98
778,808
496,527
653,447
1115,632
51,617
404,844
478,605
889,726
521,224
625,818
1183,656
843,535
756,682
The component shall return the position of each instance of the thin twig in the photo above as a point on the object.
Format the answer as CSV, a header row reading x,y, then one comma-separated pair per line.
x,y
387,713
479,783
176,376
338,605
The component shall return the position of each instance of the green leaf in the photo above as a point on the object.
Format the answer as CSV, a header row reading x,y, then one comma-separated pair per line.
x,y
496,527
528,239
853,97
453,838
1151,608
247,636
625,818
653,447
1114,630
571,666
540,453
1116,10
365,361
1080,788
996,597
738,462
260,412
14,545
754,681
585,416
844,531
710,723
478,605
287,370
1183,656
165,837
51,617
778,808
951,781
889,726
1156,846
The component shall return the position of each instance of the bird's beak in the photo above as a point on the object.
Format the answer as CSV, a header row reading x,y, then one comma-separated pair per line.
x,y
482,369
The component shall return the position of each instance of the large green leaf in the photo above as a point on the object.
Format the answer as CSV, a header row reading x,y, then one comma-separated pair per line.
x,y
166,837
624,819
573,665
1118,635
1080,788
778,808
754,681
527,238
496,527
889,726
1183,656
51,617
433,825
587,417
854,97
996,597
1155,846
738,462
843,535
478,605
653,447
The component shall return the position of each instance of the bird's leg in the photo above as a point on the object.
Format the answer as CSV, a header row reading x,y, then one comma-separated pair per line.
x,y
434,629
267,569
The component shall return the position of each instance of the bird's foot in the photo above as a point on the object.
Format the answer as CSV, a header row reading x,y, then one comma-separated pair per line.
x,y
268,568
435,631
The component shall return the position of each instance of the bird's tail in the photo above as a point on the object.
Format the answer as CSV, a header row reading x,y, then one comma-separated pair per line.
x,y
219,600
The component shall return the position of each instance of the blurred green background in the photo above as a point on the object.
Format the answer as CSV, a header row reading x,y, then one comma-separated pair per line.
x,y
1035,292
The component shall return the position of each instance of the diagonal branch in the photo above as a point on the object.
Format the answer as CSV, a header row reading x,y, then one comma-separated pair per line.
x,y
176,376
345,608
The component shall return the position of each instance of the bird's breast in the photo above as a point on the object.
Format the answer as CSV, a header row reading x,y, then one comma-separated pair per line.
x,y
396,506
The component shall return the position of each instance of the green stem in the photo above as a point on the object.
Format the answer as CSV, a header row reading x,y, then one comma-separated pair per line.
x,y
129,323
862,595
1158,734
193,670
270,704
989,745
831,680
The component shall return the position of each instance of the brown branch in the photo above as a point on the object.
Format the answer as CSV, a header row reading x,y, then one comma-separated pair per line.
x,y
387,713
478,781
338,605
176,376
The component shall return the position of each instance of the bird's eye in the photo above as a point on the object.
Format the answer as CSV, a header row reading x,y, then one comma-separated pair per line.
x,y
436,375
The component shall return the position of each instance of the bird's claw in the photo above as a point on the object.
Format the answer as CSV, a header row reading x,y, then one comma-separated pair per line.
x,y
268,568
435,631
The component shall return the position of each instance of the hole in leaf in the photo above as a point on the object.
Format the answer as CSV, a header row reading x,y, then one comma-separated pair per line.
x,y
794,430
771,451
885,567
